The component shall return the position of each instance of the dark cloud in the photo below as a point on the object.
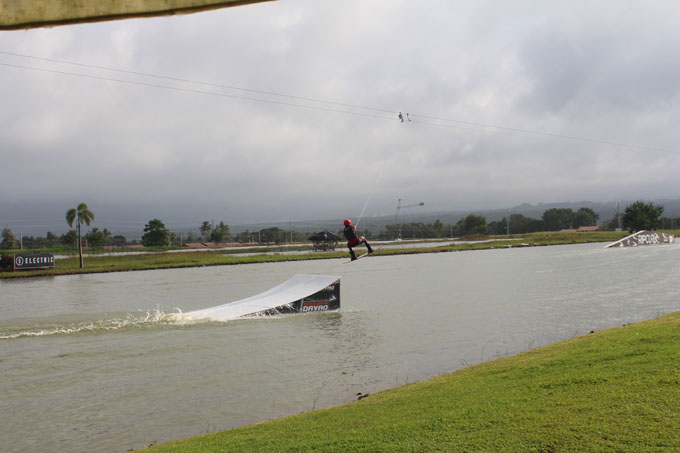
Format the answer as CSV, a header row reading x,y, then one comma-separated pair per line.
x,y
601,78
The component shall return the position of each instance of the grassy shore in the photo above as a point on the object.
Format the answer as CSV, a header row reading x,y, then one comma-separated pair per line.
x,y
613,390
165,260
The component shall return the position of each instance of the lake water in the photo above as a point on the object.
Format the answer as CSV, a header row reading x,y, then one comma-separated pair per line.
x,y
89,363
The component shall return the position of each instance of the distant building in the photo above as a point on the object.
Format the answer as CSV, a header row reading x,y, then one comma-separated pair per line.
x,y
582,229
589,228
114,247
197,245
325,240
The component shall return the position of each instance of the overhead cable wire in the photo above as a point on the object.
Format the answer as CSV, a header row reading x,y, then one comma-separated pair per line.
x,y
548,134
375,184
216,85
189,90
441,120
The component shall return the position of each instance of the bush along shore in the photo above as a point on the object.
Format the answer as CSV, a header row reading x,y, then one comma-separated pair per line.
x,y
615,390
164,259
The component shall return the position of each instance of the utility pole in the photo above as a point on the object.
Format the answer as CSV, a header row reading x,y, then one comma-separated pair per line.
x,y
396,214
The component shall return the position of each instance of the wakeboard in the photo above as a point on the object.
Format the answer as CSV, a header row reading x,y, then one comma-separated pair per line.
x,y
366,254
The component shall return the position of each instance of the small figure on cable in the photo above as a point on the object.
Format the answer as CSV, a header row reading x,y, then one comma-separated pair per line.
x,y
353,240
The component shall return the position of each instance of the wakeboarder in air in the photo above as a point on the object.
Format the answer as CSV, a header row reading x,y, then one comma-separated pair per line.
x,y
353,240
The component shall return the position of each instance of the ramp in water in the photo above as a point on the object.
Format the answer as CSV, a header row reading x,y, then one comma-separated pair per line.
x,y
300,294
644,237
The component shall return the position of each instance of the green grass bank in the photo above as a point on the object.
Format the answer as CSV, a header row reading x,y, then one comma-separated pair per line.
x,y
615,390
163,259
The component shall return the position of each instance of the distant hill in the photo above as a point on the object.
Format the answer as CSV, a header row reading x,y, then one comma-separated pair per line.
x,y
37,218
606,210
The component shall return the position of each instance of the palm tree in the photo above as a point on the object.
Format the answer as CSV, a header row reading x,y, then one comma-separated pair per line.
x,y
80,214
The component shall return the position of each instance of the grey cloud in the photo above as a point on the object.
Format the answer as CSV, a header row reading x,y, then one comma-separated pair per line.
x,y
579,69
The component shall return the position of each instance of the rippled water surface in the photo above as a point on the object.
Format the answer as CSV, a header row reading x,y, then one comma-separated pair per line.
x,y
90,363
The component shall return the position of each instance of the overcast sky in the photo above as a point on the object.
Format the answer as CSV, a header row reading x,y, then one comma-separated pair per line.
x,y
289,110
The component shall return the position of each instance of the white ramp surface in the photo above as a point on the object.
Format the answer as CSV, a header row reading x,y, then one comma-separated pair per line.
x,y
296,288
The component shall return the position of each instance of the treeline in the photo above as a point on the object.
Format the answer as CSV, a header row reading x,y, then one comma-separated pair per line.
x,y
552,220
221,234
155,235
94,238
637,216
